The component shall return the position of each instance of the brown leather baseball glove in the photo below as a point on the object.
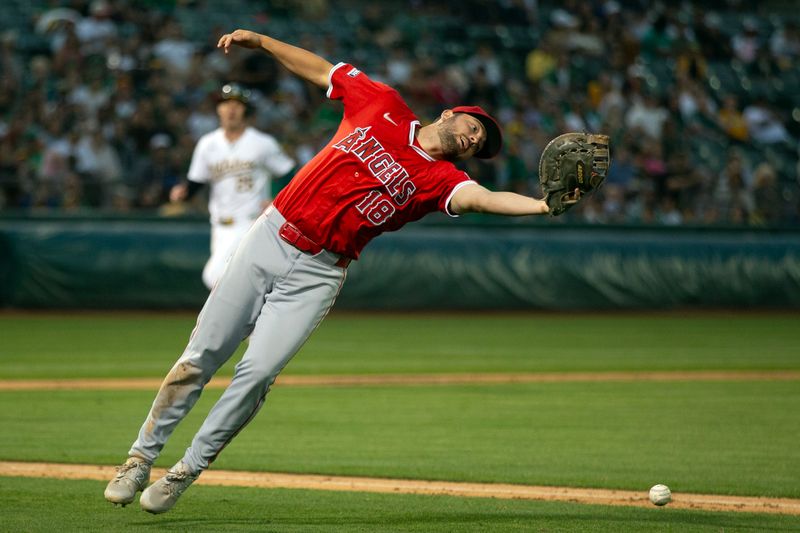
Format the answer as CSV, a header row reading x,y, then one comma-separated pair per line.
x,y
572,165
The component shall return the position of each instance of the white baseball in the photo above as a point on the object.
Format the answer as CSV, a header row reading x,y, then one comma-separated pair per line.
x,y
660,494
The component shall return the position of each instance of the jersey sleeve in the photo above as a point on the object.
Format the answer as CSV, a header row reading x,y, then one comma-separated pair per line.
x,y
354,88
276,161
451,181
446,207
198,168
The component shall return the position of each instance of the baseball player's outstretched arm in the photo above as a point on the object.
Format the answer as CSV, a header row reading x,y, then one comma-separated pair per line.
x,y
298,61
478,199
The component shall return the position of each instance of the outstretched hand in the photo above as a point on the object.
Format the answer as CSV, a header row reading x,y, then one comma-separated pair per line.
x,y
243,38
570,199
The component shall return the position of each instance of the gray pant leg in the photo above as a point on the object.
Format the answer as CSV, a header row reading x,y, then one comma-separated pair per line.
x,y
227,317
270,291
293,309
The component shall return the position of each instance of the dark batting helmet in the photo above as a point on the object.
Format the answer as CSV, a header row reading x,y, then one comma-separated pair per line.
x,y
234,91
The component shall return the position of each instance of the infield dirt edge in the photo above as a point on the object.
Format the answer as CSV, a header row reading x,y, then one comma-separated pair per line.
x,y
703,502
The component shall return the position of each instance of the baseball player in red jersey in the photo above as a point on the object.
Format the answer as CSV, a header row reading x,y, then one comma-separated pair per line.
x,y
381,170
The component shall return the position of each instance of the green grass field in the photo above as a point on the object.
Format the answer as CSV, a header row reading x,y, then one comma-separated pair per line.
x,y
126,345
722,437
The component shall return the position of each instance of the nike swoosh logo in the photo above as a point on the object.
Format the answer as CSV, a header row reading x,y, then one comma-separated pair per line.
x,y
387,117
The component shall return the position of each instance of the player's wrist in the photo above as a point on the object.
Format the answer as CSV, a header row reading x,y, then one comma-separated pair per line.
x,y
544,209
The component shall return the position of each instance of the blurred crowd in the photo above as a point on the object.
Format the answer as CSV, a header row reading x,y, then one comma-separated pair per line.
x,y
102,102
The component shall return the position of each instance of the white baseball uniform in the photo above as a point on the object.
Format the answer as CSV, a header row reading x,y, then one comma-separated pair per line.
x,y
240,175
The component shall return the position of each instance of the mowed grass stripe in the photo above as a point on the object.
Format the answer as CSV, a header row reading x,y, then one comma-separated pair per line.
x,y
230,478
78,347
418,379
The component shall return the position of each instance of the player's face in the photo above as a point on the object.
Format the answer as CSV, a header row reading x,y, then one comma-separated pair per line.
x,y
461,136
231,114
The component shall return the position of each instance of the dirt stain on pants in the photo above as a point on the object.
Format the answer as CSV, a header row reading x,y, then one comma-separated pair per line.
x,y
178,393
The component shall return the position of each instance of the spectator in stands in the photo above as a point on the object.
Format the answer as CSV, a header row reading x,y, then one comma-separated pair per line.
x,y
67,55
97,162
687,183
714,43
612,101
691,62
732,197
90,97
746,42
481,90
485,62
668,213
58,157
515,174
766,196
98,31
125,146
11,64
731,119
398,68
657,42
613,200
203,118
647,115
784,44
641,208
588,39
581,117
763,125
123,97
173,49
540,63
158,174
40,80
624,172
653,164
696,106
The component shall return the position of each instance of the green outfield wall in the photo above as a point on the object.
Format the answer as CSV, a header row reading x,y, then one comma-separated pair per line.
x,y
156,263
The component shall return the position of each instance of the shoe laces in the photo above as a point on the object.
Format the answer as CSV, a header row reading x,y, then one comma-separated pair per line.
x,y
177,480
126,467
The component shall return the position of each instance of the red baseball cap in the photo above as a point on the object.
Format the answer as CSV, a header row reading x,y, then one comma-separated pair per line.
x,y
494,135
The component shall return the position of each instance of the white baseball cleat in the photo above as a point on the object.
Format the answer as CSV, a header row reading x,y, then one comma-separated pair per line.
x,y
132,477
162,495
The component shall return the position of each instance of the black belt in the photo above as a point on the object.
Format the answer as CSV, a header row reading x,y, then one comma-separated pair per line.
x,y
291,234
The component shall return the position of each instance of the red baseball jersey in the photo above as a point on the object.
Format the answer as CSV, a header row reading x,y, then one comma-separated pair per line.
x,y
372,176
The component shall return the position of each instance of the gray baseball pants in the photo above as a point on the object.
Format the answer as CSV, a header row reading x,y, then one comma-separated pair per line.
x,y
273,293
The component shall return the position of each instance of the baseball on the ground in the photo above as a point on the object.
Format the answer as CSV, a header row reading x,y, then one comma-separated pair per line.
x,y
660,494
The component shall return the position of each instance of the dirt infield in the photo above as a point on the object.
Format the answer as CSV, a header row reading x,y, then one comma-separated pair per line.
x,y
704,502
418,379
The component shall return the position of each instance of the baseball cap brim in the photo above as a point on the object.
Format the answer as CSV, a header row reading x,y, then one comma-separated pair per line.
x,y
236,98
494,135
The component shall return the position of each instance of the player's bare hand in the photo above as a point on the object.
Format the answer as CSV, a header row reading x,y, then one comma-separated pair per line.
x,y
178,193
243,38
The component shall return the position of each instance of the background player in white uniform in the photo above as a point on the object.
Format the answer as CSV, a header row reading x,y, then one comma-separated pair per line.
x,y
239,162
